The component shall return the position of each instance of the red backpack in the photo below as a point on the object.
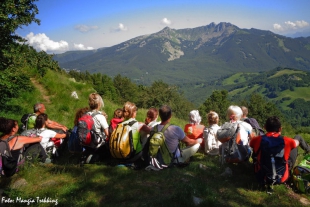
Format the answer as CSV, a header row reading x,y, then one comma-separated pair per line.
x,y
86,130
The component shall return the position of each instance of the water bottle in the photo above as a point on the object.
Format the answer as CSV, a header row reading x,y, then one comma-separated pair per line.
x,y
273,165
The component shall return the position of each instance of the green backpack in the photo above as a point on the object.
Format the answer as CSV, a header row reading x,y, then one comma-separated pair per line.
x,y
159,154
301,176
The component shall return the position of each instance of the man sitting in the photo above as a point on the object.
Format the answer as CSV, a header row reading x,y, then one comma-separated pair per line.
x,y
174,134
274,154
38,109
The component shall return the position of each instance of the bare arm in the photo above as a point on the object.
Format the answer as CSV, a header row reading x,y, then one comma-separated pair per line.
x,y
106,132
297,142
22,140
54,125
60,136
190,142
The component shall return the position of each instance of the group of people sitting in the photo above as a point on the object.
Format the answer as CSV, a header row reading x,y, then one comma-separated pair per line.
x,y
194,135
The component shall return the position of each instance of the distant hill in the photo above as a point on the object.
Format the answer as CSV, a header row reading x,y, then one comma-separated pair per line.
x,y
193,55
288,88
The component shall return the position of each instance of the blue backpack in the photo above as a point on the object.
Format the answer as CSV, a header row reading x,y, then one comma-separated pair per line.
x,y
74,144
272,163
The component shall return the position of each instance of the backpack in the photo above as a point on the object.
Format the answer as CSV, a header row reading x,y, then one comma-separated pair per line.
x,y
301,176
86,130
226,131
272,165
8,164
121,141
256,128
24,120
233,151
31,133
159,154
74,145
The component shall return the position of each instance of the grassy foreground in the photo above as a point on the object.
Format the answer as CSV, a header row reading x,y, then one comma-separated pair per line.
x,y
66,183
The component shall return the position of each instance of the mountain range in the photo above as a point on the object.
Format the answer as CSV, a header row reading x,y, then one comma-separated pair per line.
x,y
193,55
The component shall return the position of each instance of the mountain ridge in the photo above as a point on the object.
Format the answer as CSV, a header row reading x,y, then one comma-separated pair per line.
x,y
197,54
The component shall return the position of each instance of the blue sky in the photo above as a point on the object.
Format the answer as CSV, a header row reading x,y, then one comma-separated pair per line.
x,y
91,24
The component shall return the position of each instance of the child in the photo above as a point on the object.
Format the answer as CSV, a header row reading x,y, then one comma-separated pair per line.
x,y
117,118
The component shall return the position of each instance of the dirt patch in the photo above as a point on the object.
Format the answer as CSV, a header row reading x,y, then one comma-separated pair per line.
x,y
42,90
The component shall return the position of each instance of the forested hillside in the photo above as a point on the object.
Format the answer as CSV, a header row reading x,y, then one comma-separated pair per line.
x,y
186,56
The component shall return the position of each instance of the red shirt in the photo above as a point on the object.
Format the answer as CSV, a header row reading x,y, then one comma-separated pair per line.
x,y
194,131
289,144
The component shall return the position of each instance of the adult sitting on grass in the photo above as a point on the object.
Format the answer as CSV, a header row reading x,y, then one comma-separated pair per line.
x,y
38,109
275,155
194,129
9,129
173,134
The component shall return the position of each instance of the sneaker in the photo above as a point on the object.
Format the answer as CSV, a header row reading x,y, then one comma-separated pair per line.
x,y
269,190
214,151
47,161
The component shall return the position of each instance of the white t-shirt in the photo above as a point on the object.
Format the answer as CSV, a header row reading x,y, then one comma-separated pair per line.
x,y
245,131
46,135
100,122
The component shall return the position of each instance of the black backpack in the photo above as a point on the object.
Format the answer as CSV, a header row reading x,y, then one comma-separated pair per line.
x,y
8,162
272,164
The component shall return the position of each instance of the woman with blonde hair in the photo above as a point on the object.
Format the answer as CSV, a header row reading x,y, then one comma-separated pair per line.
x,y
96,150
209,134
139,133
139,129
96,104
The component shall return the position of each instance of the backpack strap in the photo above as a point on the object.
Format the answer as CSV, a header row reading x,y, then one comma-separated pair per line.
x,y
7,144
164,128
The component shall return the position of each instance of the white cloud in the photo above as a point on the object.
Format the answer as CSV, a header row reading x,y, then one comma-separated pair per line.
x,y
81,47
85,28
121,27
42,42
289,25
302,24
166,21
277,27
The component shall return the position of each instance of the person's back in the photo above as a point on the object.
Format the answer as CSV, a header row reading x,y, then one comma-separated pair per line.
x,y
194,129
117,118
209,135
256,129
46,134
236,149
174,134
274,154
101,126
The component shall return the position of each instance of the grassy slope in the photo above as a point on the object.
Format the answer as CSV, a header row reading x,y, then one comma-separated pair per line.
x,y
105,184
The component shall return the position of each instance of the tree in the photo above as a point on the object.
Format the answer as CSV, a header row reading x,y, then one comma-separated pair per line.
x,y
127,90
218,102
14,14
261,109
